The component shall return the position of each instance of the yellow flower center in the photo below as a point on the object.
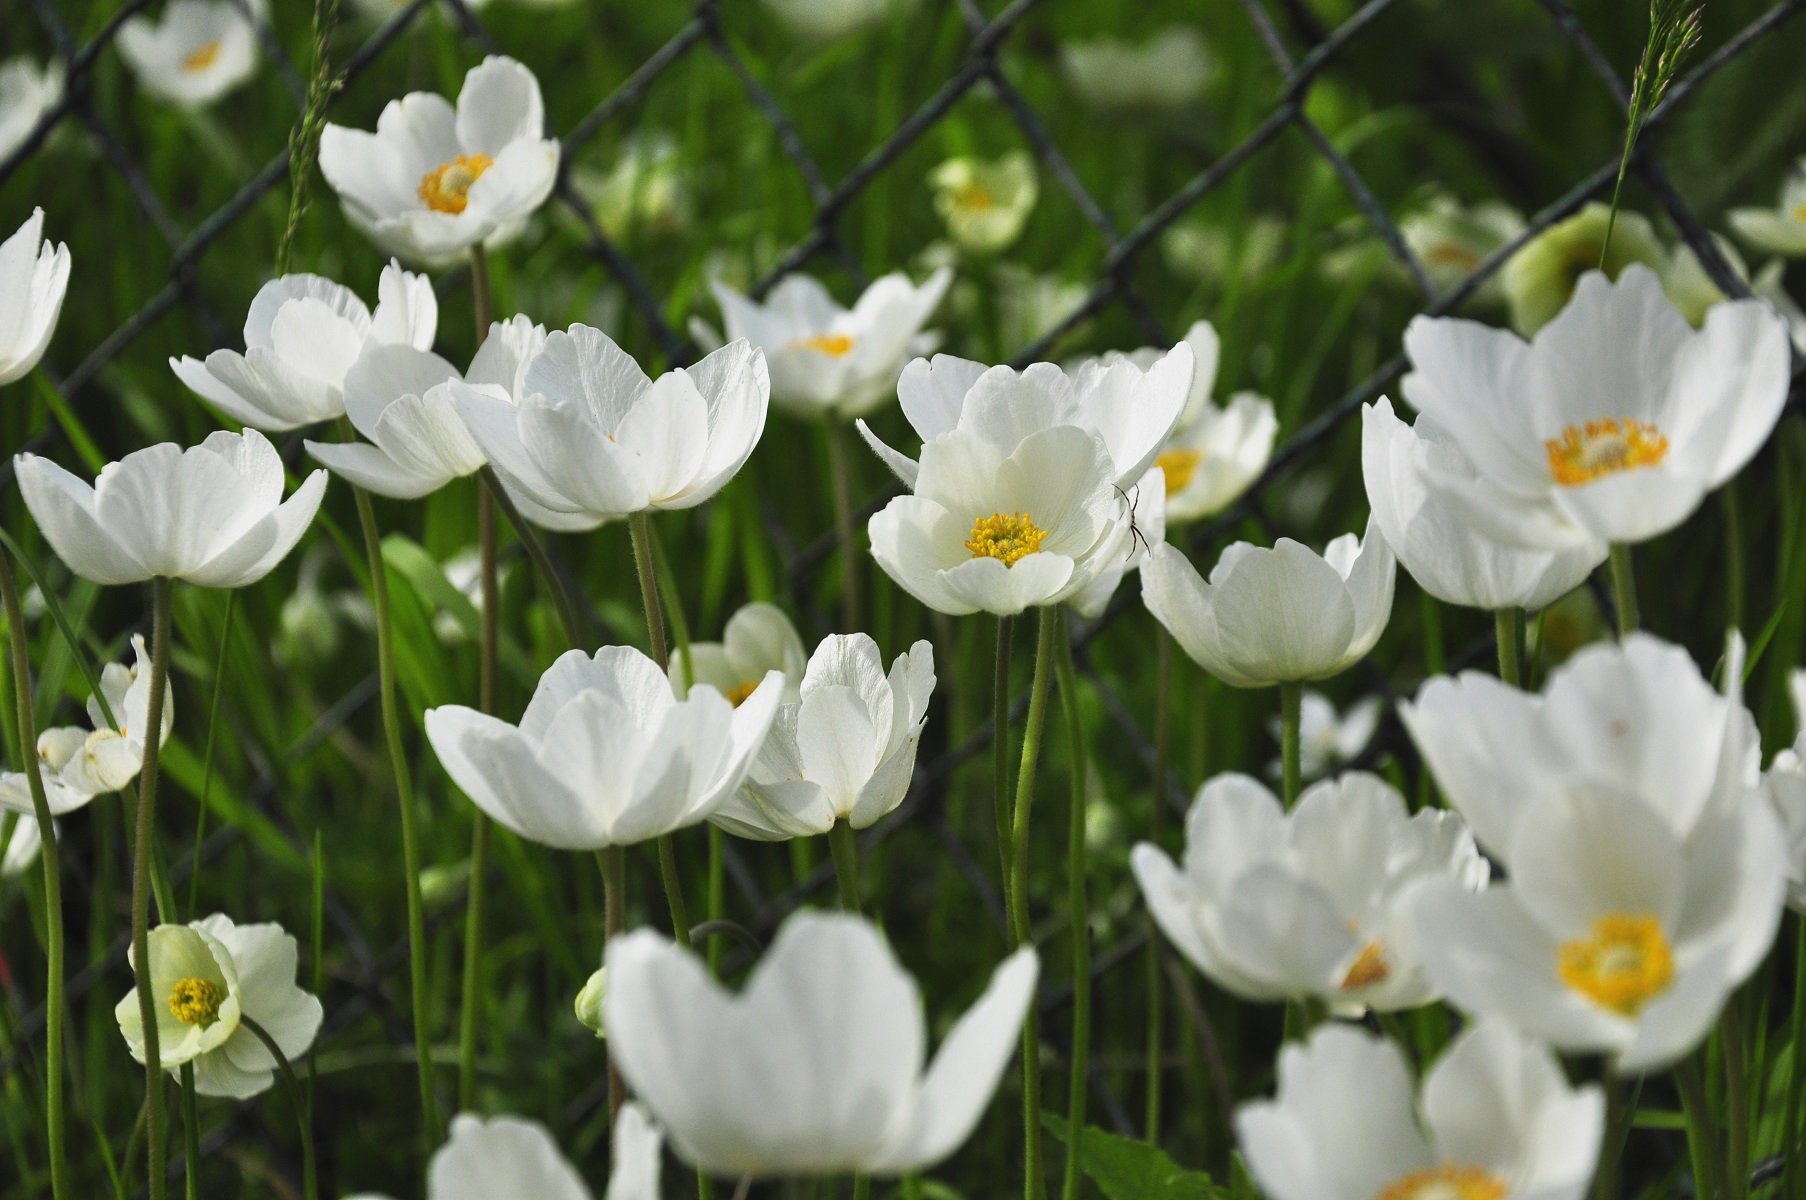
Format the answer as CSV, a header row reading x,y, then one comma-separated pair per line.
x,y
1581,455
1447,1182
974,197
1448,254
202,58
1622,964
1007,537
834,345
1179,466
196,1001
1369,967
446,188
737,694
1799,211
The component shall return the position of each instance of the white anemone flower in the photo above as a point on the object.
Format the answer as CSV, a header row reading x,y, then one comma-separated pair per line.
x,y
1612,423
1496,1120
845,751
1168,71
829,360
1435,539
19,848
816,1067
1306,905
1781,229
593,439
197,52
208,977
487,1157
758,638
405,401
985,202
1328,739
27,92
302,335
604,755
34,275
1279,615
1146,502
432,181
1452,240
212,515
1785,783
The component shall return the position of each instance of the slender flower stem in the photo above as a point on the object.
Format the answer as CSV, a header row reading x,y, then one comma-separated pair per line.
x,y
191,1136
845,847
1624,589
479,290
640,527
1506,623
479,830
1291,705
674,891
1796,1082
717,897
536,550
1163,686
613,861
310,1178
404,794
162,587
1080,916
1000,755
842,470
54,1004
1035,1185
1736,1102
1702,1140
1616,1127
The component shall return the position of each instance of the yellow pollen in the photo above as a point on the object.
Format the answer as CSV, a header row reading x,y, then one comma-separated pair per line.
x,y
1799,211
446,188
1178,466
1447,1182
196,1001
202,58
1448,254
975,197
1623,964
834,345
1369,967
737,694
1581,455
1005,537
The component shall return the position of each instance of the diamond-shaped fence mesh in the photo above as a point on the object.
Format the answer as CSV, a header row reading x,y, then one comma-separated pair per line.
x,y
1301,53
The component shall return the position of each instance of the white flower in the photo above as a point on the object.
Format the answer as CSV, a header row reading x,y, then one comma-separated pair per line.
x,y
605,755
212,515
593,439
1781,229
825,359
845,750
758,638
1146,502
1436,540
1496,1120
1278,906
1275,616
1326,739
503,1156
19,848
302,334
207,977
831,20
1452,240
816,1067
644,192
985,202
33,277
406,401
27,92
1612,424
1768,285
198,52
430,183
1785,783
1168,71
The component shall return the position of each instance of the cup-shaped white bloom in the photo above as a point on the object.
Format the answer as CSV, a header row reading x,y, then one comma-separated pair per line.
x,y
207,977
1327,739
19,849
432,181
1210,460
1167,71
985,202
1496,1120
489,1157
197,52
816,1067
27,92
1277,906
1434,538
1612,423
1451,239
846,749
1279,615
604,755
758,639
826,360
302,335
1539,279
593,439
1785,783
830,20
1781,229
33,277
212,515
1146,502
405,401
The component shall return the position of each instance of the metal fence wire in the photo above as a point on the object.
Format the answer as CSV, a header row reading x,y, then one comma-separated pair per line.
x,y
1123,252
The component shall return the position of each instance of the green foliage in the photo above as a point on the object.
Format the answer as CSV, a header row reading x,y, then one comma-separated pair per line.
x,y
1129,1169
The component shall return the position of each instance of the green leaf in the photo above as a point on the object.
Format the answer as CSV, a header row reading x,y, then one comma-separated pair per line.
x,y
427,577
1125,1169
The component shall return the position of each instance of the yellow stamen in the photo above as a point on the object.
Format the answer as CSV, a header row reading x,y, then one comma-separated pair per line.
x,y
1179,466
1581,455
1799,211
1369,967
1447,1182
202,58
196,1001
1007,537
1624,963
446,188
1448,254
737,694
974,197
834,345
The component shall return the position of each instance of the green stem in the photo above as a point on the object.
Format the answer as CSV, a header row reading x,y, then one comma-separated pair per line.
x,y
479,290
479,830
1737,1102
717,898
1506,622
404,794
862,1187
1291,705
1796,1082
1624,589
639,526
1734,569
1079,915
1034,1185
1000,755
310,1183
536,550
1702,1142
845,847
674,890
162,587
613,860
1163,686
842,471
191,1135
200,822
54,1004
